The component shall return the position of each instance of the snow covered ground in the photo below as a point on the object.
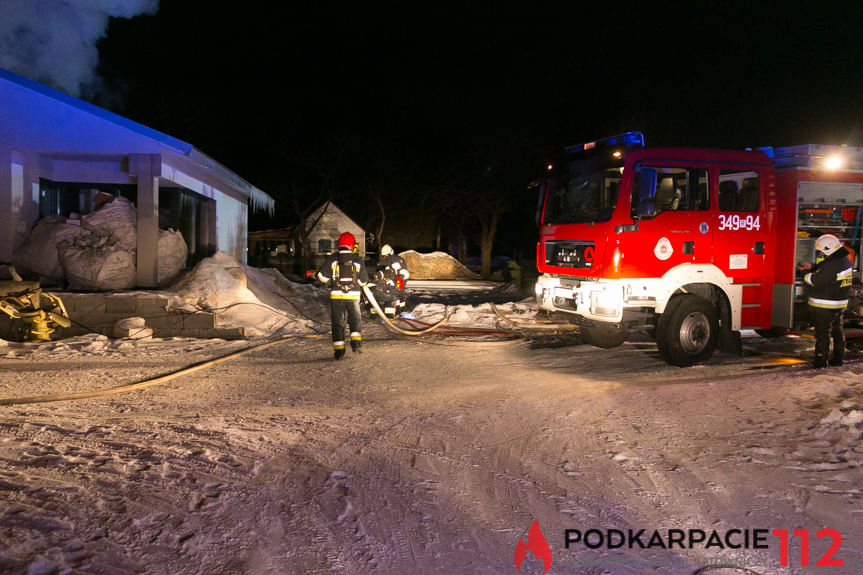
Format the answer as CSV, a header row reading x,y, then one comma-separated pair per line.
x,y
420,455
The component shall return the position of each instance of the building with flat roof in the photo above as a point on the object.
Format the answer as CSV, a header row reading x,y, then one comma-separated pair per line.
x,y
60,155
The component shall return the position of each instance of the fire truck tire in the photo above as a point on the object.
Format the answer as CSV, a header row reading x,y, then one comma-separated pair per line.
x,y
688,331
603,337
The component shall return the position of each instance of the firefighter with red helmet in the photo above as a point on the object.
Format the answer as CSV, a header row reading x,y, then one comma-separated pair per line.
x,y
345,272
391,275
830,283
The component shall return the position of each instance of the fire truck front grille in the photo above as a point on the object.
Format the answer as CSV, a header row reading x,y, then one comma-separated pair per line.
x,y
569,254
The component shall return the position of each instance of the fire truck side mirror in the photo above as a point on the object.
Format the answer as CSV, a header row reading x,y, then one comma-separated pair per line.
x,y
541,188
645,204
646,183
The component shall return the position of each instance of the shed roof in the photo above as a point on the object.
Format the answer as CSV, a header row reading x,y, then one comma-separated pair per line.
x,y
330,207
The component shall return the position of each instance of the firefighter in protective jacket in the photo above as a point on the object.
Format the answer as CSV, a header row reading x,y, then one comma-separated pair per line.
x,y
391,275
345,272
830,281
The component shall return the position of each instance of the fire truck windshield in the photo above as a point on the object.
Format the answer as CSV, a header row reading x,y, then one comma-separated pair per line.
x,y
583,198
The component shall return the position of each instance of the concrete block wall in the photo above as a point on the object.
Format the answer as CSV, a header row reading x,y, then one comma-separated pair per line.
x,y
97,313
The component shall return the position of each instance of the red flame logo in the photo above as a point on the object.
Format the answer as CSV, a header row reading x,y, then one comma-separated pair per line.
x,y
535,542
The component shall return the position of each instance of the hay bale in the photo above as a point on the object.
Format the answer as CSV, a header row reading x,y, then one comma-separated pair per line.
x,y
436,266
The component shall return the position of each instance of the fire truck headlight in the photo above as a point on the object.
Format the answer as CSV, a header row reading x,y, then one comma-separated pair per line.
x,y
833,162
605,302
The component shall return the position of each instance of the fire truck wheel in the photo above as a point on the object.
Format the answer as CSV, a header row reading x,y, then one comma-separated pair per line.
x,y
603,337
688,331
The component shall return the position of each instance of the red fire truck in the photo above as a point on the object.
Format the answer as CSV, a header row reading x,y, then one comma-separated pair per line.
x,y
690,245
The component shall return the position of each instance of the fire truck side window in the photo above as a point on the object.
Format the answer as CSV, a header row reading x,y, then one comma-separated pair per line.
x,y
738,191
676,189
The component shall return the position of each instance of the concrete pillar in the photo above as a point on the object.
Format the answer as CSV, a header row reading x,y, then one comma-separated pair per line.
x,y
147,168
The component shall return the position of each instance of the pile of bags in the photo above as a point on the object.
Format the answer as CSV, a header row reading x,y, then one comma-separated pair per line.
x,y
97,252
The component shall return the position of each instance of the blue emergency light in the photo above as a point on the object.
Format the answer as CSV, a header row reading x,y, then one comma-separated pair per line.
x,y
628,140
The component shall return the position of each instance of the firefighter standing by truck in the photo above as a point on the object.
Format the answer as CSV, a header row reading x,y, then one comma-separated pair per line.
x,y
345,272
391,275
830,283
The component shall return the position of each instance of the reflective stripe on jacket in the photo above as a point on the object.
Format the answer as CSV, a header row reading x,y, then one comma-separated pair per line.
x,y
393,266
344,283
831,281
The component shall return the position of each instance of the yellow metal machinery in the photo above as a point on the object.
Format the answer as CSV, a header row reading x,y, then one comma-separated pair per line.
x,y
29,314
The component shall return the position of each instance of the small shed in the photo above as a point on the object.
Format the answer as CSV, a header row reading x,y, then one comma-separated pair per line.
x,y
277,248
325,226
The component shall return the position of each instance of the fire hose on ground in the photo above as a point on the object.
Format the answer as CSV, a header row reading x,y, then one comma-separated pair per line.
x,y
148,382
427,328
393,326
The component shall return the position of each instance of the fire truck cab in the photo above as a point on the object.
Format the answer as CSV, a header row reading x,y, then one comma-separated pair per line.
x,y
689,245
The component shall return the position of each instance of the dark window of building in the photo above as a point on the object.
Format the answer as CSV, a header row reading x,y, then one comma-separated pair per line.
x,y
66,198
194,216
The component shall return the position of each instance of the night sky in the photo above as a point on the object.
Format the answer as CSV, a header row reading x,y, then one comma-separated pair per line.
x,y
418,103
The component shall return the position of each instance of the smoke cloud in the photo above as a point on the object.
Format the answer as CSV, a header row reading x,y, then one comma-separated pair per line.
x,y
54,41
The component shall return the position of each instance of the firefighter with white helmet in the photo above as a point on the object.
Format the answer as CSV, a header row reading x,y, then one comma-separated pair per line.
x,y
830,283
391,275
345,272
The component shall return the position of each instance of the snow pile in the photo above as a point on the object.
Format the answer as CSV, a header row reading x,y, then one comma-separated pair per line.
x,y
833,445
436,265
480,316
460,315
215,283
842,425
96,346
220,285
272,288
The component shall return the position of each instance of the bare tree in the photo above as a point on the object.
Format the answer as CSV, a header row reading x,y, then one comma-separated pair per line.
x,y
313,181
377,192
500,175
489,219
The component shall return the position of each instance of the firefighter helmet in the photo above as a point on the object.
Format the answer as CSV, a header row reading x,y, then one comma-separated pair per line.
x,y
347,240
386,250
827,244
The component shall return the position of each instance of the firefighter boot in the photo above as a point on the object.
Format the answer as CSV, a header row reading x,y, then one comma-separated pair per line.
x,y
357,346
339,353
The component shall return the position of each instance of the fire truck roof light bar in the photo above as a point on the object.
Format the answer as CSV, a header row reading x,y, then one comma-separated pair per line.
x,y
628,140
817,156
